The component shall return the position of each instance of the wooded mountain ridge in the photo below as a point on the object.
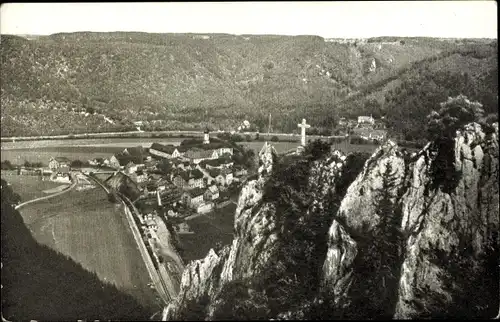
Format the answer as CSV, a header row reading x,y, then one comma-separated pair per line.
x,y
189,81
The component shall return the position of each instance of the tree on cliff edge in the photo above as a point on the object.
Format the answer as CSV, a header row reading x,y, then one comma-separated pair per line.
x,y
441,129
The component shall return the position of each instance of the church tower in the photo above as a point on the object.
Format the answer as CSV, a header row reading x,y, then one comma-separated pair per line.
x,y
206,136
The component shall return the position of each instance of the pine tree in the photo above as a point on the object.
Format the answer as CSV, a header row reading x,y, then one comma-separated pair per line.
x,y
384,251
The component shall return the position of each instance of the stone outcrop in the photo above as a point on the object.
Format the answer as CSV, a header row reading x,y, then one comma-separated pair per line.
x,y
256,234
437,221
253,242
432,221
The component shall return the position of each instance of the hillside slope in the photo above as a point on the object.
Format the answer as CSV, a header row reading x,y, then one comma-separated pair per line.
x,y
186,81
41,284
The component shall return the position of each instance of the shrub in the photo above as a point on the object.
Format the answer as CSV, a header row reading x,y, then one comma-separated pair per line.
x,y
76,164
274,138
236,138
6,165
112,197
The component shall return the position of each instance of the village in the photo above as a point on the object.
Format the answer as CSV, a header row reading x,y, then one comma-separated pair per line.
x,y
169,184
164,188
176,182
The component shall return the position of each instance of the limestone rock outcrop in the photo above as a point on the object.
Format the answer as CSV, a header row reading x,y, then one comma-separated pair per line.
x,y
434,224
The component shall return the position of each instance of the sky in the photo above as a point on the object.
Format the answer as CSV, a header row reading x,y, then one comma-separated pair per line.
x,y
328,19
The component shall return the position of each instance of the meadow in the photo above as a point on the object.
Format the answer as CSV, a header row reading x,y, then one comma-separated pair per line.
x,y
85,226
28,187
210,229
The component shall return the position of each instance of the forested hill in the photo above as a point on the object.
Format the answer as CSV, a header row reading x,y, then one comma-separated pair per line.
x,y
186,81
41,284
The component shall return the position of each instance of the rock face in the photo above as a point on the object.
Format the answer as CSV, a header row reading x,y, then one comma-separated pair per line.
x,y
433,225
433,222
253,242
438,221
357,211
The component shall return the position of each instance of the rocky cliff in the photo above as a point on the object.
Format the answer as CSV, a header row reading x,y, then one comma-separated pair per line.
x,y
349,238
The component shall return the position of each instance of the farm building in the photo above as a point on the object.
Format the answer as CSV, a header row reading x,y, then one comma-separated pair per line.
x,y
58,162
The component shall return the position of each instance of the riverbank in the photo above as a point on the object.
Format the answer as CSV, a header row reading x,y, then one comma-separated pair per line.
x,y
154,134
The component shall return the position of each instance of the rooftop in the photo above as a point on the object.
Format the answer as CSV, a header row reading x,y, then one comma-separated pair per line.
x,y
199,154
184,175
125,159
367,131
195,192
62,159
136,151
196,174
163,148
214,172
225,171
213,189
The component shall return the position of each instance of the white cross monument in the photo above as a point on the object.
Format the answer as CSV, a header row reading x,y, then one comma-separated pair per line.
x,y
303,126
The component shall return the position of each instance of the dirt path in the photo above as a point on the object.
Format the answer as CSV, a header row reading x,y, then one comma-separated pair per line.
x,y
73,185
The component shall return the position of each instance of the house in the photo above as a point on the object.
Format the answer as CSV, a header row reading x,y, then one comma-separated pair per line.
x,y
366,119
131,167
197,155
211,193
63,171
114,162
223,150
181,179
183,228
192,198
370,134
206,176
165,151
58,162
122,159
196,179
141,176
151,224
224,178
170,195
204,207
172,214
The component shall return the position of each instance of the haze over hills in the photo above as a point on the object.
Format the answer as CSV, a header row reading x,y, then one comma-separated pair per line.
x,y
188,81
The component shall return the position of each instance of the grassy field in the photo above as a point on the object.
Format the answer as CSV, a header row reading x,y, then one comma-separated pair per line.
x,y
42,155
209,230
286,146
28,187
93,232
